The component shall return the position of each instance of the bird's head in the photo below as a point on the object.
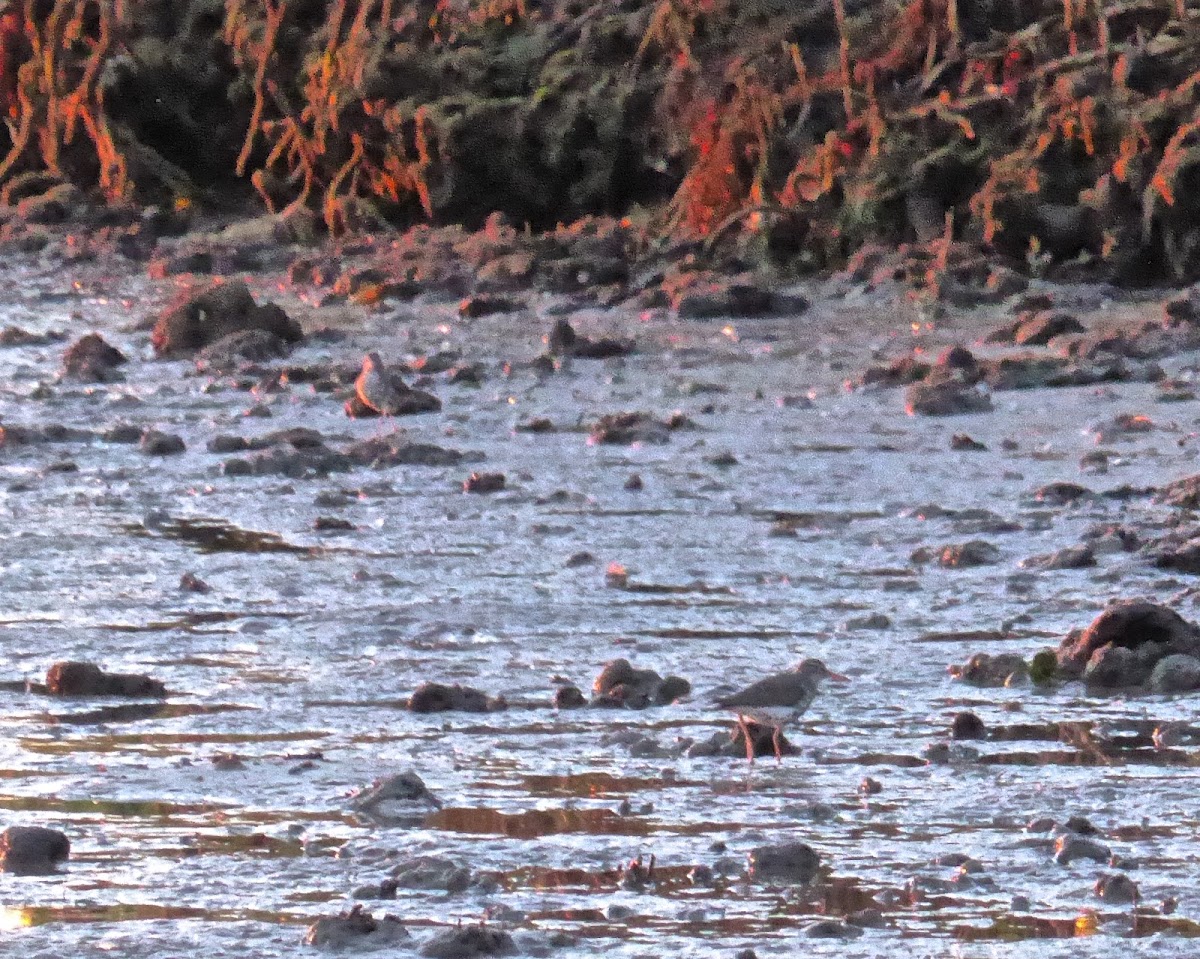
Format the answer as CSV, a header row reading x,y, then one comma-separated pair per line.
x,y
815,670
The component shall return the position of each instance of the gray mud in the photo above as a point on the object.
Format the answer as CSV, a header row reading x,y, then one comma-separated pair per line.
x,y
297,663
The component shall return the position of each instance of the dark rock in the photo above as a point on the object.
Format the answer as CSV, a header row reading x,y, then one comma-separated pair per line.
x,y
870,787
1134,625
984,669
467,942
438,697
387,451
92,360
355,929
87,679
1061,494
191,583
1042,327
900,372
483,483
332,524
1070,847
967,726
155,443
569,697
629,428
242,346
791,863
1070,557
948,398
402,797
961,442
1184,493
975,552
1116,889
564,341
32,850
620,684
832,929
634,483
202,317
1176,673
474,307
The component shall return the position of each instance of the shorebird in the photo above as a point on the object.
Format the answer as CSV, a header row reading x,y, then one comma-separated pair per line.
x,y
778,700
377,388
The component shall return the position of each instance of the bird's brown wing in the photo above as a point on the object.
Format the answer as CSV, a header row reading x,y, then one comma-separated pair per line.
x,y
774,690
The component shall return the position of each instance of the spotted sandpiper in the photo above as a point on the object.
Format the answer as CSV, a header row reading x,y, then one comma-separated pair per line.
x,y
378,388
778,700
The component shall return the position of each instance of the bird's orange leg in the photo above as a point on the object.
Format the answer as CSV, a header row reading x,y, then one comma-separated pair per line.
x,y
749,740
776,738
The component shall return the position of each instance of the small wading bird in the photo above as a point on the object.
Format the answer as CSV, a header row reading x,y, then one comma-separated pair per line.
x,y
778,700
377,388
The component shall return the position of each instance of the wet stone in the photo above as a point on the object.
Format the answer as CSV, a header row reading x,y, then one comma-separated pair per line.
x,y
467,942
950,398
1149,629
242,346
191,583
355,929
984,669
32,850
832,929
1070,557
90,359
967,725
484,483
1070,848
156,443
1116,889
569,697
1176,673
203,316
438,873
87,679
432,697
793,863
961,442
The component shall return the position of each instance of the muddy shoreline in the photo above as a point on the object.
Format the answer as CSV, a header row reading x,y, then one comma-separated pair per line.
x,y
783,514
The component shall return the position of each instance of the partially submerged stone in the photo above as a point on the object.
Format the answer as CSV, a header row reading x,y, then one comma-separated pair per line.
x,y
355,929
432,697
32,850
202,317
468,942
91,359
789,863
88,679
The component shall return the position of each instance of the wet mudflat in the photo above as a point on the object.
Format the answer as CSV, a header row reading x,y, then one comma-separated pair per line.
x,y
780,523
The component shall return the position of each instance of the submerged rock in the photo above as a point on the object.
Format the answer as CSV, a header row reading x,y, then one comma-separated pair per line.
x,y
432,697
32,850
791,863
945,398
1122,646
355,929
91,359
242,346
437,873
984,669
467,942
403,796
620,684
1117,889
88,679
202,317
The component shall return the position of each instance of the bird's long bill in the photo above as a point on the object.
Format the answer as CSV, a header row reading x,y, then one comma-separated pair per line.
x,y
838,677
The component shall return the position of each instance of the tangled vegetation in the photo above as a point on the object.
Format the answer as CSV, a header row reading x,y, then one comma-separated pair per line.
x,y
1049,131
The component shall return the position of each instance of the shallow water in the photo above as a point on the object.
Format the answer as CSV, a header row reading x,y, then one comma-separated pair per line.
x,y
309,641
